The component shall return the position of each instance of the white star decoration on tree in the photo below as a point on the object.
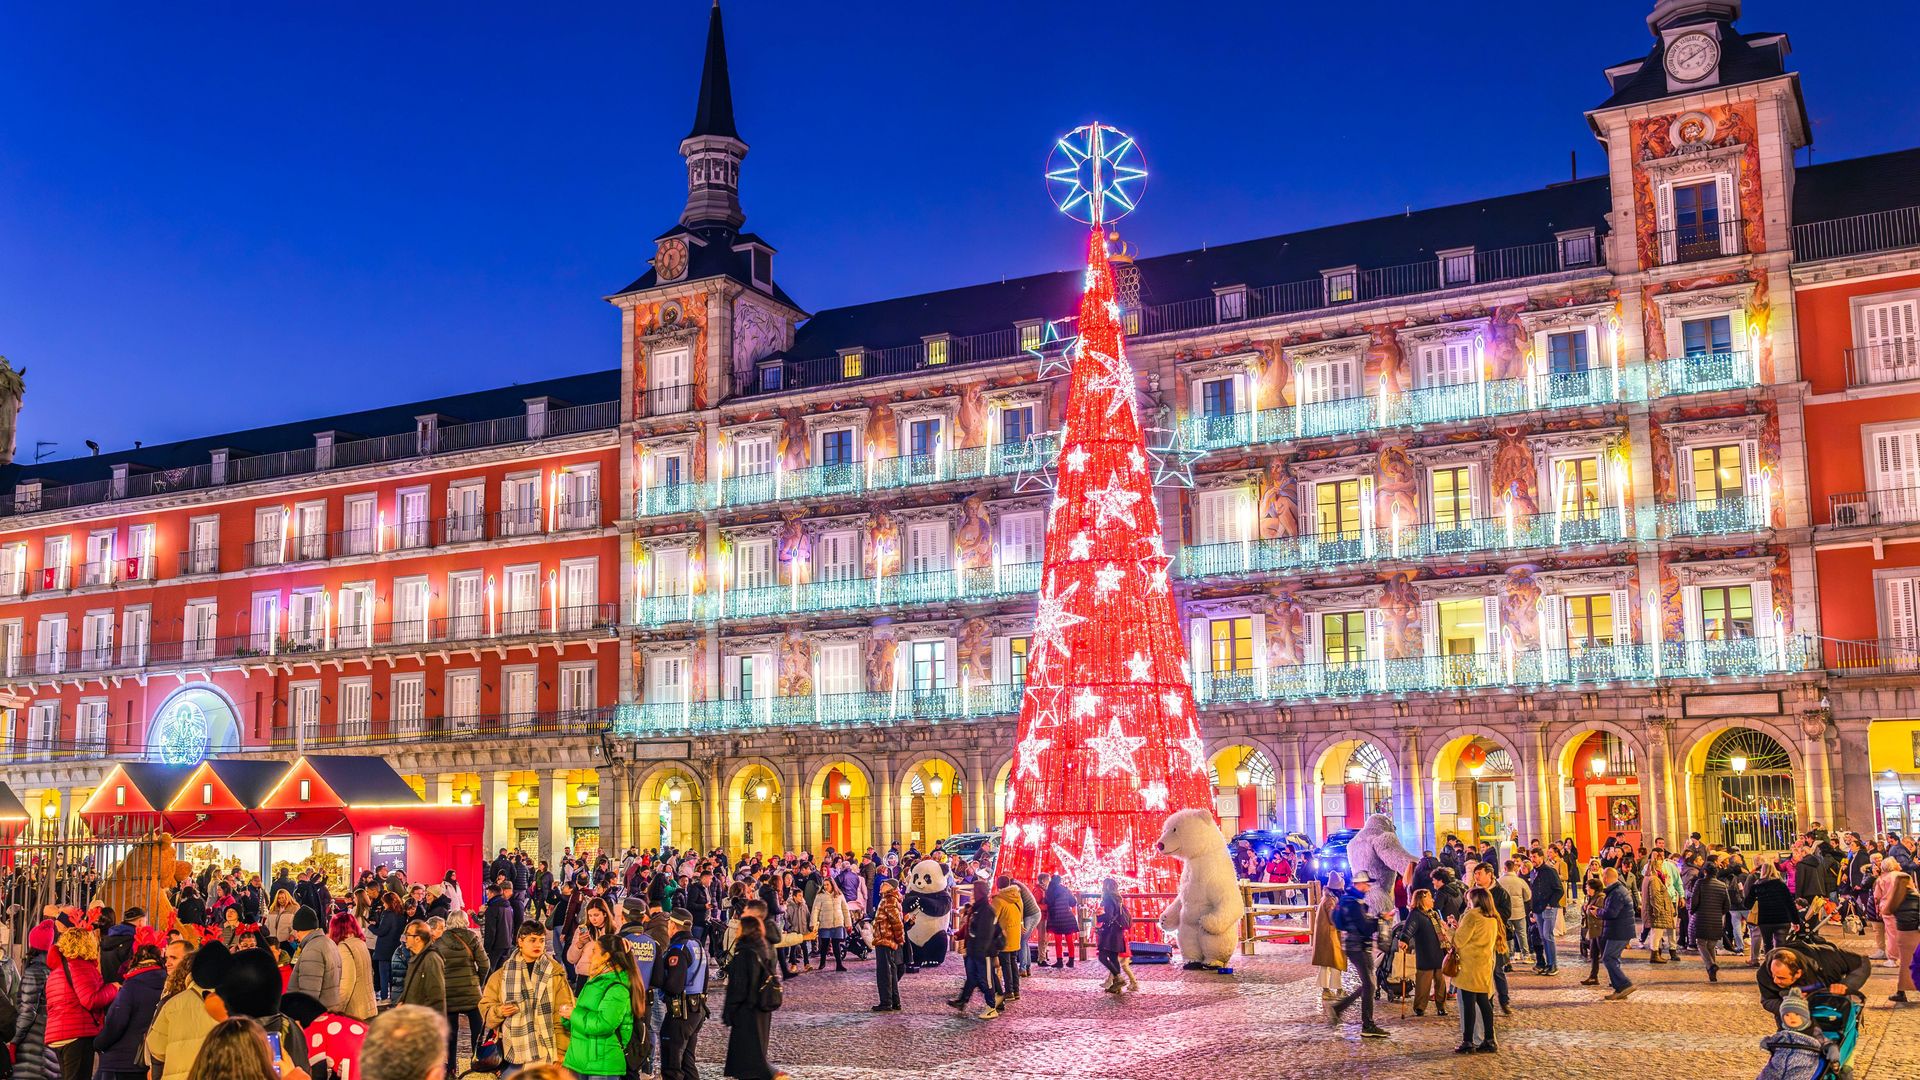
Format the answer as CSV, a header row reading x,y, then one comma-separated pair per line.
x,y
1051,620
1033,832
1154,569
1077,459
1154,796
1080,546
1135,460
1029,750
1085,702
1114,378
1174,702
1113,503
1116,749
1106,579
1086,871
1138,667
1196,749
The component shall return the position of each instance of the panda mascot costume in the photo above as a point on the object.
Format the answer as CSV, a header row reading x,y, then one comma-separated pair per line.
x,y
929,911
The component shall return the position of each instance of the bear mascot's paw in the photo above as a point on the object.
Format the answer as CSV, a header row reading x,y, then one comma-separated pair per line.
x,y
1376,849
929,910
1205,916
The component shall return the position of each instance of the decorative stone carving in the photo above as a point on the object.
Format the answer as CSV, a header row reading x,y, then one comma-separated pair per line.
x,y
1718,570
1564,318
1674,305
1680,432
667,541
1609,577
1435,333
1331,349
1461,587
1324,468
1355,596
1232,479
1479,451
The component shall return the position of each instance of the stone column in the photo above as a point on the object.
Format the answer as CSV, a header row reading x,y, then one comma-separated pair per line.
x,y
554,833
800,808
715,822
1412,768
616,809
979,802
496,795
440,789
880,805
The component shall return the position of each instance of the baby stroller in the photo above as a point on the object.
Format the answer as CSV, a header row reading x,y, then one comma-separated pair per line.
x,y
1821,1047
860,937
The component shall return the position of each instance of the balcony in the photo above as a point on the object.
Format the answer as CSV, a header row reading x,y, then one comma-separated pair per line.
x,y
324,641
1883,363
969,585
861,709
22,751
1699,242
666,400
846,479
390,731
572,420
1885,230
1885,656
1857,509
1419,541
1701,373
1724,516
1748,657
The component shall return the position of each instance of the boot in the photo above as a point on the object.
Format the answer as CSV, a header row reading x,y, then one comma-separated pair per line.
x,y
1126,968
1112,980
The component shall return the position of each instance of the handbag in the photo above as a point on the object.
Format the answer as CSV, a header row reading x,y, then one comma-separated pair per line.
x,y
1450,964
771,994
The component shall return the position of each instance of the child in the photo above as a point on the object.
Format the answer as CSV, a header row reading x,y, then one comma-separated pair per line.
x,y
1796,1050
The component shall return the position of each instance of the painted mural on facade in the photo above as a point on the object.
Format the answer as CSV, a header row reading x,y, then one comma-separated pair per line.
x,y
1652,138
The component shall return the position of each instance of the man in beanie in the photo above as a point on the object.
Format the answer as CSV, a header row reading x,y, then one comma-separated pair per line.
x,y
317,967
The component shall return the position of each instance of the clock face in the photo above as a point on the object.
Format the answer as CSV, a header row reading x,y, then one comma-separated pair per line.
x,y
1692,57
671,262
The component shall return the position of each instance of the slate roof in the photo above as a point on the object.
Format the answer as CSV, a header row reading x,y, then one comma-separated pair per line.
x,y
363,781
715,257
713,115
1744,58
248,780
156,783
495,404
1506,221
1862,185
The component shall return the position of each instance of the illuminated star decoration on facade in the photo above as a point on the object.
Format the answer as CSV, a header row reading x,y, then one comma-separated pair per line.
x,y
1037,462
1116,749
1086,871
1173,460
1113,503
1114,379
1139,667
1053,352
1196,749
1030,750
1154,569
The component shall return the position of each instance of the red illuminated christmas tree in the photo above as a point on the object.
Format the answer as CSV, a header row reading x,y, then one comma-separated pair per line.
x,y
1108,740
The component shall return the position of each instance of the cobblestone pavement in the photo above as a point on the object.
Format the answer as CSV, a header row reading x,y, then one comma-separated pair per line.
x,y
1267,1023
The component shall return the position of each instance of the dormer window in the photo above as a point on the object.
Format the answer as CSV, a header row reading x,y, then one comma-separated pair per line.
x,y
1032,333
853,363
1578,249
1230,303
762,266
1341,285
772,377
939,350
1456,267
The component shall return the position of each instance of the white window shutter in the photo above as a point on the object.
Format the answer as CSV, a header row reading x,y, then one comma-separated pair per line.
x,y
1683,464
1900,611
1309,509
1750,457
1202,656
1622,618
1690,611
1259,641
1376,639
1665,223
1002,661
1366,504
1491,605
1311,651
1553,621
1729,215
1430,627
1763,616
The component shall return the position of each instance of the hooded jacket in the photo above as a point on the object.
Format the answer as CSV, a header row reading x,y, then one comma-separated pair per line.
x,y
124,1029
32,1059
77,998
1063,909
466,965
1006,908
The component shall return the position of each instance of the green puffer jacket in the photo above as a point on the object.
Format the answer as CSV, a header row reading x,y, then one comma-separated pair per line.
x,y
602,1023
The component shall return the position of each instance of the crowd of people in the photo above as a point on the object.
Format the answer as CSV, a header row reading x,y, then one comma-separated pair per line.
x,y
1462,919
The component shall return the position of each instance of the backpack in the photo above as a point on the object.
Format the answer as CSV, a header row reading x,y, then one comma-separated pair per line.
x,y
638,1051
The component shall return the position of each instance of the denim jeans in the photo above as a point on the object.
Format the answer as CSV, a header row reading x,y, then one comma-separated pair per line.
x,y
1616,976
1549,953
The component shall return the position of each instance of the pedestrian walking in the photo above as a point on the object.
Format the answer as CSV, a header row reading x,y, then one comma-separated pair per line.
x,y
1616,913
1479,945
604,1023
1708,907
1899,905
527,1001
981,941
1548,891
1358,928
1110,939
121,1041
1328,958
753,995
1427,937
1006,908
1773,908
425,983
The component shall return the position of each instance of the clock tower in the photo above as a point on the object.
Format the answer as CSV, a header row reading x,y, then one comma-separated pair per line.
x,y
1690,40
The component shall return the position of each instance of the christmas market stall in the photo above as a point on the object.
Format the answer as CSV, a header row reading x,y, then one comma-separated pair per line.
x,y
211,817
130,801
340,813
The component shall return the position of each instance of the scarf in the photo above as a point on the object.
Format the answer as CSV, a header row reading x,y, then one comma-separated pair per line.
x,y
527,1036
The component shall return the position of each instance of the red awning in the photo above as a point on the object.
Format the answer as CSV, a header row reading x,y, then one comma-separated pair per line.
x,y
211,824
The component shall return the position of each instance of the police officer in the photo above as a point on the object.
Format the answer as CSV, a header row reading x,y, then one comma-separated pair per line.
x,y
680,977
645,950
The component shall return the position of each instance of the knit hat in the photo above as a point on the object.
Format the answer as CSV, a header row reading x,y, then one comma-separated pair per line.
x,y
245,983
304,920
1794,1012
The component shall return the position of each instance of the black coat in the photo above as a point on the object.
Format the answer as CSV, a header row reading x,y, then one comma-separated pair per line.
x,y
1063,916
748,1027
1773,903
192,911
1424,932
1451,900
1710,903
1547,888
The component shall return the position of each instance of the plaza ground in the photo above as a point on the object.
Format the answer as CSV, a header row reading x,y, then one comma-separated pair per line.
x,y
1267,1023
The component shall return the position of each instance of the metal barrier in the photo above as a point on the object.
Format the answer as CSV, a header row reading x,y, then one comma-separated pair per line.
x,y
62,864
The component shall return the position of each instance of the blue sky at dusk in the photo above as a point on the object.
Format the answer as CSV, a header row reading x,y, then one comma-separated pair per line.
x,y
219,216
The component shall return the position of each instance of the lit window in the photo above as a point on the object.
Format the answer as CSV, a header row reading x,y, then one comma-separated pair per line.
x,y
306,790
1567,352
1726,612
1340,285
1232,644
1589,621
938,349
1452,497
1718,473
1032,334
1017,659
1579,486
1707,336
1344,637
1337,509
852,364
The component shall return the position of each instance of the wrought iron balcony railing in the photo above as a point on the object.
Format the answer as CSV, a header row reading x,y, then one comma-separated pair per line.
x,y
1725,515
1884,362
1416,541
1699,241
393,730
1857,509
1883,230
957,585
860,709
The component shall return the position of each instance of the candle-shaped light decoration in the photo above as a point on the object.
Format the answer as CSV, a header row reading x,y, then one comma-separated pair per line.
x,y
273,626
641,469
996,567
1559,501
1381,418
868,460
779,477
1509,515
1299,398
893,695
286,530
966,692
493,625
326,619
553,596
1753,348
1480,374
1613,351
1396,531
1246,532
816,691
793,583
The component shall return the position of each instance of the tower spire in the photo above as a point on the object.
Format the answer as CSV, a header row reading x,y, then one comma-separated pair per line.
x,y
713,148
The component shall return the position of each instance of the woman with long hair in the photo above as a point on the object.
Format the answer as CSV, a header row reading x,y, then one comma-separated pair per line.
x,y
77,997
1427,938
388,926
610,1012
1899,907
1477,944
356,967
236,1049
596,921
1110,938
749,1021
1329,957
279,918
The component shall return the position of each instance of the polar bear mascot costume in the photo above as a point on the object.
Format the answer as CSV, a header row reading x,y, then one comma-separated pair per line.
x,y
1205,915
929,911
1376,851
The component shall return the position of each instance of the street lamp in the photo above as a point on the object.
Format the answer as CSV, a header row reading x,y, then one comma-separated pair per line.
x,y
50,810
1738,762
761,791
580,796
466,796
845,788
936,786
1598,766
524,796
1356,773
674,794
